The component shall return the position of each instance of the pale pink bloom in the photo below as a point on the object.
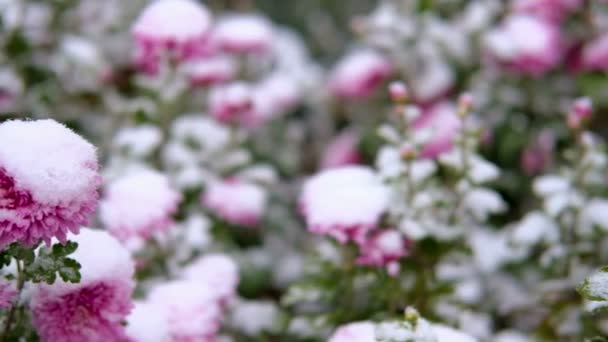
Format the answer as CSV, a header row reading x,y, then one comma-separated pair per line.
x,y
211,70
48,181
273,96
525,44
398,91
8,293
595,54
344,203
383,248
552,10
192,310
242,33
359,74
93,309
138,206
354,332
231,103
176,26
219,272
148,322
580,112
342,150
443,124
537,157
236,201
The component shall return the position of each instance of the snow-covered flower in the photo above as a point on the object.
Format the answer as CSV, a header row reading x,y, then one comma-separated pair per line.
x,y
139,205
231,102
191,310
354,332
211,70
94,308
255,317
552,10
139,141
236,201
218,271
179,26
525,44
594,55
148,322
48,181
242,33
344,203
359,73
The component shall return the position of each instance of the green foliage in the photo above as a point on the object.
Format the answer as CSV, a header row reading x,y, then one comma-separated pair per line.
x,y
595,288
46,264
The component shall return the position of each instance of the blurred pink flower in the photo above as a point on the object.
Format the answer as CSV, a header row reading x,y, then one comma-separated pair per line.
x,y
138,206
231,103
525,44
93,309
176,26
190,308
211,70
242,33
354,332
442,124
537,157
274,95
359,73
342,150
236,201
551,10
594,55
8,293
345,203
219,272
48,181
383,248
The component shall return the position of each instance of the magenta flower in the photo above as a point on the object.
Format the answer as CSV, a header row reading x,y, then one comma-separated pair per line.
x,y
211,70
138,206
345,203
8,293
359,74
48,182
176,26
93,309
236,201
242,33
274,95
442,124
525,44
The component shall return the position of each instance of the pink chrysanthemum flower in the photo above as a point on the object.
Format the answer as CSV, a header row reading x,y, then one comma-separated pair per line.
x,y
359,74
211,70
341,151
273,96
384,248
48,182
93,309
442,124
236,201
594,55
177,26
242,33
8,293
148,322
217,271
525,44
552,10
354,332
138,206
192,310
345,203
231,103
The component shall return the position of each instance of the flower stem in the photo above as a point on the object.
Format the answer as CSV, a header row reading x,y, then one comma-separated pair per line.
x,y
11,313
